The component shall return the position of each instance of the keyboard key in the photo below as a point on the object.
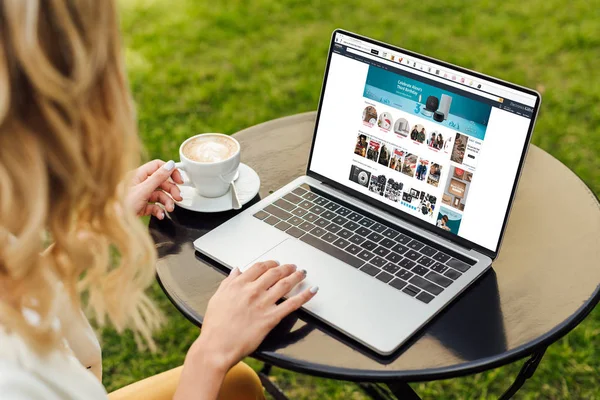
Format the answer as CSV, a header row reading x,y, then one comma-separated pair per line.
x,y
381,251
369,269
378,262
374,236
415,244
452,274
283,226
299,212
286,205
345,233
295,232
428,251
339,220
343,211
413,255
278,212
366,222
437,278
438,267
390,233
351,225
420,270
411,290
400,249
299,191
310,196
404,274
365,255
426,261
333,228
379,228
329,237
318,232
329,215
367,244
353,249
354,217
398,284
321,201
456,264
331,206
384,277
357,239
363,231
406,263
310,217
387,243
441,257
317,209
322,222
261,214
305,204
341,243
391,268
425,297
426,285
271,220
295,220
332,250
306,226
394,257
402,238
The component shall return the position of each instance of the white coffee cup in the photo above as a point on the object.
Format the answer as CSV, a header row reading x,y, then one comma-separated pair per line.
x,y
211,178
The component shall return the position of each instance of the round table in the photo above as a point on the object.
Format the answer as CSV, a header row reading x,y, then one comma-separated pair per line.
x,y
543,284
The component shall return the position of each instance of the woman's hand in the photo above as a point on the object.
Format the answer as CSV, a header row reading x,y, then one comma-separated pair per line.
x,y
239,316
151,186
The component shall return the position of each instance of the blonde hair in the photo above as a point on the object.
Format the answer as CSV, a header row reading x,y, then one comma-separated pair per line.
x,y
67,139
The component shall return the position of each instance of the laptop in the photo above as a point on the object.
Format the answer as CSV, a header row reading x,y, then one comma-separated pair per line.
x,y
411,175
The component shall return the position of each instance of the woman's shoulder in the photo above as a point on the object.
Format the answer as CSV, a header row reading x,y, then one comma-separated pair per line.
x,y
25,374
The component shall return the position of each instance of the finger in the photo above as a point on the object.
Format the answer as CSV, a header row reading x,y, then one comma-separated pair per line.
x,y
176,176
157,178
158,196
295,302
274,275
234,274
255,271
154,209
172,189
284,285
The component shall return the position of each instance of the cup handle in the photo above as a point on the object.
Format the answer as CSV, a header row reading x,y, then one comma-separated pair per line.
x,y
181,168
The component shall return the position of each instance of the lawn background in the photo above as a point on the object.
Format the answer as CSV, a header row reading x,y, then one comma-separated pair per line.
x,y
198,66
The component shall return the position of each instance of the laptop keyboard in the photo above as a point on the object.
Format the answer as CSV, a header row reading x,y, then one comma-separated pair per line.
x,y
394,258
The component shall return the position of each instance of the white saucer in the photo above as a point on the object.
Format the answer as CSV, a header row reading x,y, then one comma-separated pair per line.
x,y
247,185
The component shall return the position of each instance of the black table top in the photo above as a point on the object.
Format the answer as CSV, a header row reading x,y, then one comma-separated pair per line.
x,y
545,281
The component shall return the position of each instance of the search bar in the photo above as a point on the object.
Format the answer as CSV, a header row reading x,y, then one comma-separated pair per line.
x,y
432,77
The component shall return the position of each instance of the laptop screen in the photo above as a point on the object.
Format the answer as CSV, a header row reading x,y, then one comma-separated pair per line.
x,y
439,143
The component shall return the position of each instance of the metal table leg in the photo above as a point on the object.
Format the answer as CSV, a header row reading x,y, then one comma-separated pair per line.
x,y
526,372
391,391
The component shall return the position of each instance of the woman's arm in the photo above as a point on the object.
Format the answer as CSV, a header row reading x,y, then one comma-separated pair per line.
x,y
239,316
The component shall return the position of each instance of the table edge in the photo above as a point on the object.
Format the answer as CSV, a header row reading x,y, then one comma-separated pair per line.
x,y
447,372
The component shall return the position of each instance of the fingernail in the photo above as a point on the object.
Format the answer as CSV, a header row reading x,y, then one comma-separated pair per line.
x,y
294,267
169,165
303,272
314,289
277,262
162,215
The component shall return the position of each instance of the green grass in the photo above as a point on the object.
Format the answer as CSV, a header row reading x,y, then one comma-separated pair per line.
x,y
198,66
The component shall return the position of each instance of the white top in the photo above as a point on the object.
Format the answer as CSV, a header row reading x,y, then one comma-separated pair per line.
x,y
71,373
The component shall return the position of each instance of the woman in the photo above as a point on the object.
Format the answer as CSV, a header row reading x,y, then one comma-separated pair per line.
x,y
68,224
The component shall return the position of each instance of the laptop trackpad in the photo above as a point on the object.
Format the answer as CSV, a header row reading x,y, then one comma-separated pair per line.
x,y
350,300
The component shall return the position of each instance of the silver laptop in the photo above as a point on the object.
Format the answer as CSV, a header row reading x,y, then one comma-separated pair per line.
x,y
411,175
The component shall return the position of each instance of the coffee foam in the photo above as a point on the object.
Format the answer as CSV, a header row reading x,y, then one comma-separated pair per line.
x,y
210,149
